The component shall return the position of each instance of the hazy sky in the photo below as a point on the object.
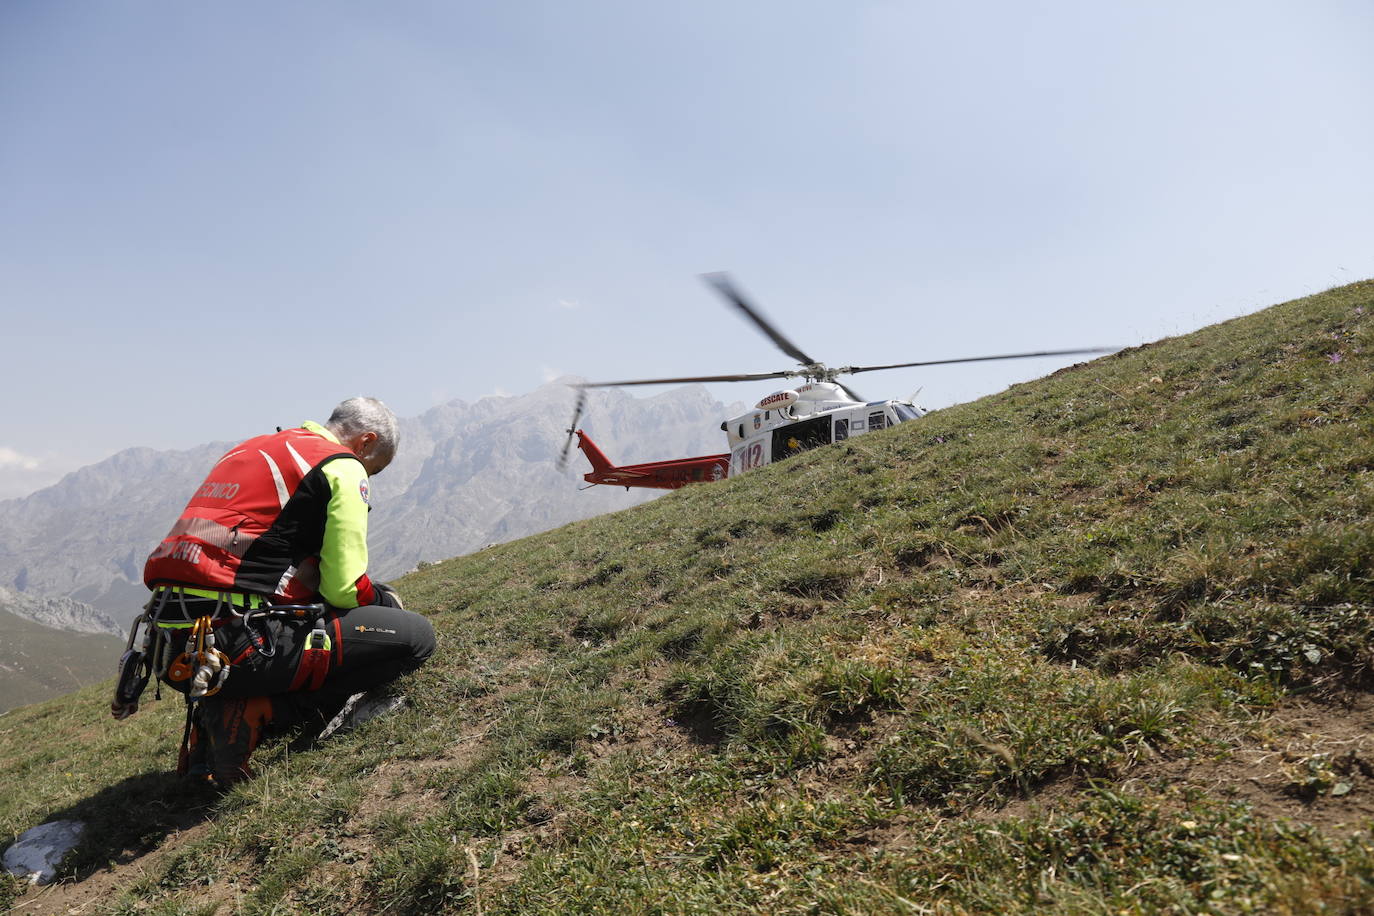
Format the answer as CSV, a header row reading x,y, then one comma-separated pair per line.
x,y
220,217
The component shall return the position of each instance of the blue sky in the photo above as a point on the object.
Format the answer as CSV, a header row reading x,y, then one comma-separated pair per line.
x,y
218,218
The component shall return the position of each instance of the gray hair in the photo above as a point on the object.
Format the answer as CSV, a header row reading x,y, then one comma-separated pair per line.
x,y
365,415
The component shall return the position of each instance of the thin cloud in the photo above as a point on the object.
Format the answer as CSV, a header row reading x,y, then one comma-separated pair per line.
x,y
22,474
10,460
569,304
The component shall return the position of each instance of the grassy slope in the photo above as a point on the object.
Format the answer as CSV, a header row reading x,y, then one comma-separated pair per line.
x,y
1072,648
37,662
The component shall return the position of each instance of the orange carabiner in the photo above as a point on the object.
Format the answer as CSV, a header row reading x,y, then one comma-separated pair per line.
x,y
201,630
184,665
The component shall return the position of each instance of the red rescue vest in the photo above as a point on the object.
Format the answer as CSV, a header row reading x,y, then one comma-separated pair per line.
x,y
243,501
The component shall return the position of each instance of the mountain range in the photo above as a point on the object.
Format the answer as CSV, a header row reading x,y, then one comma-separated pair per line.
x,y
467,474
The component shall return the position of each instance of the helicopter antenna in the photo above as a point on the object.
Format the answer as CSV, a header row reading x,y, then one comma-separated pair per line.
x,y
572,427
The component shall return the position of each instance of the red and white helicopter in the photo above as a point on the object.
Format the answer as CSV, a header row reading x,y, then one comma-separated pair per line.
x,y
819,412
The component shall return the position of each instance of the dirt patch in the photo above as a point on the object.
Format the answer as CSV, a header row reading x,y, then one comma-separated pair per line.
x,y
1053,797
1309,761
640,728
409,784
852,748
104,885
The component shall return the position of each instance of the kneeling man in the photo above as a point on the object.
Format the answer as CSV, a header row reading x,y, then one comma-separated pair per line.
x,y
262,608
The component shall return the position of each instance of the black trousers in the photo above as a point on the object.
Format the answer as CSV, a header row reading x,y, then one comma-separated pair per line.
x,y
368,646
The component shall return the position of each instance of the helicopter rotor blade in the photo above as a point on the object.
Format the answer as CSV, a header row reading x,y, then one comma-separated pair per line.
x,y
743,377
721,281
572,428
853,395
849,370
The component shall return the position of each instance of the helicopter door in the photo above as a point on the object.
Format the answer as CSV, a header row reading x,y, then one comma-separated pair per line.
x,y
798,437
841,430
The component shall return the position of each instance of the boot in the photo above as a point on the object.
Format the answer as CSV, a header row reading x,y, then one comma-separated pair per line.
x,y
234,728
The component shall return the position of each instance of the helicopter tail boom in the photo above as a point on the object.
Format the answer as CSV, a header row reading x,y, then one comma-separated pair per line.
x,y
659,475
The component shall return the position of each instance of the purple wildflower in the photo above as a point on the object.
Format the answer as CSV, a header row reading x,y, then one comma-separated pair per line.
x,y
1334,357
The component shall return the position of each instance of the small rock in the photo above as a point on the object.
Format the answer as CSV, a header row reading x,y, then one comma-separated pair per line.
x,y
360,708
37,852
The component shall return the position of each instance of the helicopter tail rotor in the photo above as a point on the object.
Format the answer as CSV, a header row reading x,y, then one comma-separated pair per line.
x,y
572,428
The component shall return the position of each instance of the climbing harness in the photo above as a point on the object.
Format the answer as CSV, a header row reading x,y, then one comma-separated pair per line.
x,y
194,663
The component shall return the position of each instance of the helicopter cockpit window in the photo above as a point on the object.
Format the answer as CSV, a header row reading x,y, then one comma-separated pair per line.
x,y
905,413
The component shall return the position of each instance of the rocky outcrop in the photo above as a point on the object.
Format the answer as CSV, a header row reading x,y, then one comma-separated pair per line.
x,y
58,613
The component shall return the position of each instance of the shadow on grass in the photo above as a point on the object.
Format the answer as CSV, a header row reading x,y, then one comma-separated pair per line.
x,y
700,725
132,818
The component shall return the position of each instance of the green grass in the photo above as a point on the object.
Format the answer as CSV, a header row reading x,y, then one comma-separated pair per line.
x,y
39,662
953,667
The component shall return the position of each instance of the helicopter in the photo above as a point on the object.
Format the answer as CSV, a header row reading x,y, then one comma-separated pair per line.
x,y
818,412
